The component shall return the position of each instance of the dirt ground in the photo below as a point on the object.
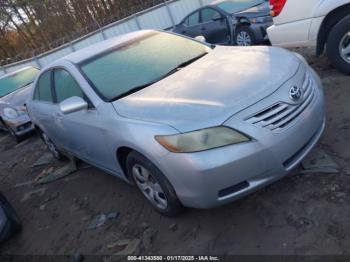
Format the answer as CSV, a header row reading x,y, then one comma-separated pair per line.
x,y
301,214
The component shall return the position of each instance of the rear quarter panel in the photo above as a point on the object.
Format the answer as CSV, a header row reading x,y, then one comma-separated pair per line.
x,y
295,10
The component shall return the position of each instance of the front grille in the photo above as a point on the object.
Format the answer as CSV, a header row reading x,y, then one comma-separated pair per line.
x,y
281,115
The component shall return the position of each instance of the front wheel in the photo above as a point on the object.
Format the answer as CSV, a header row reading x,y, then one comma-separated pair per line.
x,y
244,36
154,186
338,45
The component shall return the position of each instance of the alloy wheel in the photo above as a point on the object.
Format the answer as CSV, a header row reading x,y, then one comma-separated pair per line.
x,y
344,47
149,186
243,39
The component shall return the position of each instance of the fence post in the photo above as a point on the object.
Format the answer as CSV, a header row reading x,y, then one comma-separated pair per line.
x,y
71,46
137,22
3,69
103,33
36,60
170,13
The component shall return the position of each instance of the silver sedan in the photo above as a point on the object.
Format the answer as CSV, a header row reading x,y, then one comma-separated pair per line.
x,y
190,124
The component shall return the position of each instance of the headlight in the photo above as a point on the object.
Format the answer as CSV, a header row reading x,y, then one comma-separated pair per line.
x,y
261,19
201,140
10,113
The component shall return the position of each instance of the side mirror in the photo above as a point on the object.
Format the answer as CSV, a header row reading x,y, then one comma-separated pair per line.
x,y
201,38
73,104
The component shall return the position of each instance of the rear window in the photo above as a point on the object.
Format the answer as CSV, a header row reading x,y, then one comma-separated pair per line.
x,y
11,83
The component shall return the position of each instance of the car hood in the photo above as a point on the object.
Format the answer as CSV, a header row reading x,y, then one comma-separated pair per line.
x,y
212,89
255,11
16,98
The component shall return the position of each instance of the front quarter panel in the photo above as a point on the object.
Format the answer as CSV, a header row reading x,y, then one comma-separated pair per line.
x,y
139,136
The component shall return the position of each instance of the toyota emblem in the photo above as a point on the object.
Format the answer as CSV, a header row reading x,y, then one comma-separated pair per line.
x,y
295,93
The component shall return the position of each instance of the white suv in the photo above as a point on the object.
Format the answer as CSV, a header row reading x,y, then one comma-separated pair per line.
x,y
319,23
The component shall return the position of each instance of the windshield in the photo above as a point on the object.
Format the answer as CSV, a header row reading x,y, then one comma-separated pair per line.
x,y
234,6
18,80
140,63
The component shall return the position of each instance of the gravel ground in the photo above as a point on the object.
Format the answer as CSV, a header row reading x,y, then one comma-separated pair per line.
x,y
301,214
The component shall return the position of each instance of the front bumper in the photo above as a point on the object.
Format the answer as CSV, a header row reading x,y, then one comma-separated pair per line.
x,y
216,177
260,31
21,125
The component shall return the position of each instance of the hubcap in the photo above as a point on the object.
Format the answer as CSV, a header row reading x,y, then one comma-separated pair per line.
x,y
344,47
149,186
50,145
244,39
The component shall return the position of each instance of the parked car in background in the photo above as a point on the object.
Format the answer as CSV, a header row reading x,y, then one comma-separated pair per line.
x,y
15,89
189,123
9,221
317,23
229,22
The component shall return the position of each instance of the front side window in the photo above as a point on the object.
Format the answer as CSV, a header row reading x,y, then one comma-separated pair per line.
x,y
15,81
140,63
209,15
66,86
43,90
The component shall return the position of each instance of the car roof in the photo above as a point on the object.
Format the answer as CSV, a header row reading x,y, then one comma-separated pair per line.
x,y
96,49
17,71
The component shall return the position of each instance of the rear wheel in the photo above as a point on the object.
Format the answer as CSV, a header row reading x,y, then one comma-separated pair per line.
x,y
52,147
152,183
338,45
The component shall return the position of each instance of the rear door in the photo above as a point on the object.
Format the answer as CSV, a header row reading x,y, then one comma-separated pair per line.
x,y
43,106
214,26
191,26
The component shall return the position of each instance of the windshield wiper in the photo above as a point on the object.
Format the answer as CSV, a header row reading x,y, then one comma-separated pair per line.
x,y
133,90
172,71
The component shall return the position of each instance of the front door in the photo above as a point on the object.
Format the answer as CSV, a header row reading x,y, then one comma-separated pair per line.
x,y
83,132
214,26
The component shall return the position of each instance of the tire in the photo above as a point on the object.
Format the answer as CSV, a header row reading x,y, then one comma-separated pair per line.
x,y
246,34
157,185
338,39
52,147
13,224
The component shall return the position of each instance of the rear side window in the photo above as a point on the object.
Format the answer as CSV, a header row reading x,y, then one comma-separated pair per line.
x,y
43,90
209,15
193,19
66,86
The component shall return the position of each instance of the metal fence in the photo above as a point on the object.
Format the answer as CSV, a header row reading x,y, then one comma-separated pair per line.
x,y
162,16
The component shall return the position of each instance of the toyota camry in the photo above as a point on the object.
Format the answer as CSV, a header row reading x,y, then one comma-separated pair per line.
x,y
190,124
